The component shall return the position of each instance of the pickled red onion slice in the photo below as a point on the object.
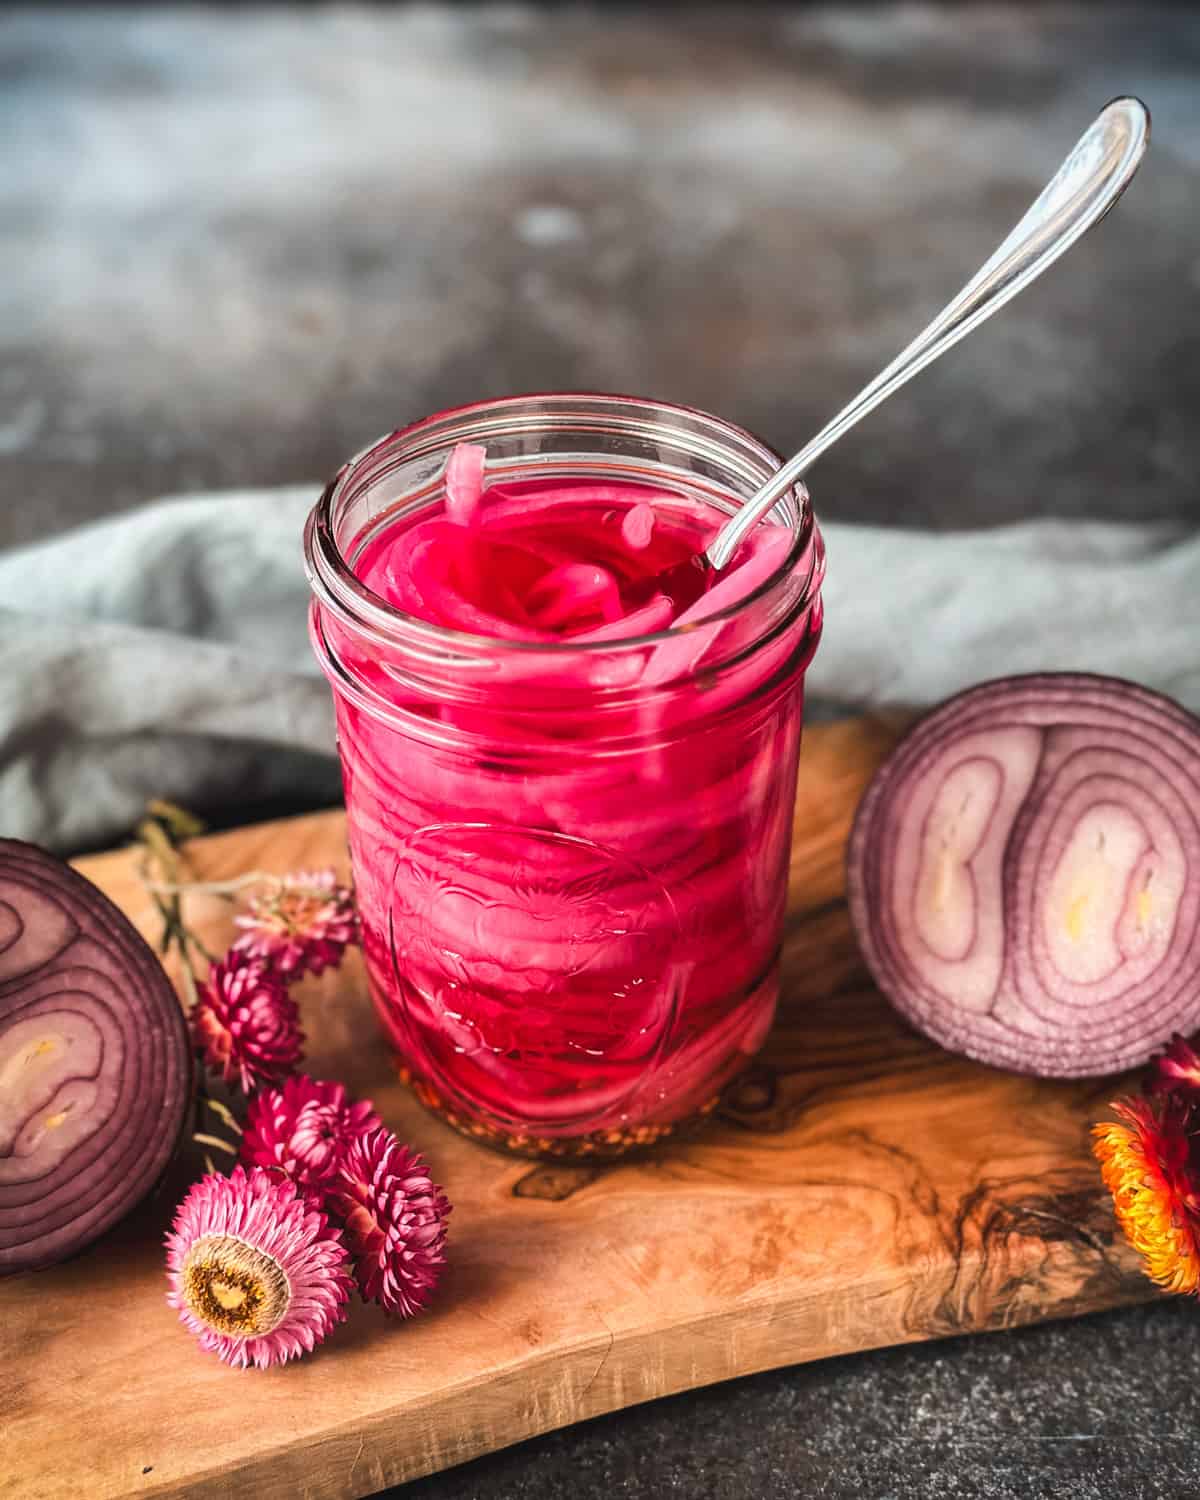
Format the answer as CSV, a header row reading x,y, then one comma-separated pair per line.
x,y
568,559
638,526
652,616
464,482
1024,874
571,592
672,658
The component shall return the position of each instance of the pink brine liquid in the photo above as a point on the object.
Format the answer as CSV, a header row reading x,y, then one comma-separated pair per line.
x,y
572,864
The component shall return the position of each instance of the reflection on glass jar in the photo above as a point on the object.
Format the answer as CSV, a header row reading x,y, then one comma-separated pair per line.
x,y
561,1033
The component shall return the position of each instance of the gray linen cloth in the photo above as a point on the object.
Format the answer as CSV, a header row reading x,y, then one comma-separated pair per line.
x,y
165,653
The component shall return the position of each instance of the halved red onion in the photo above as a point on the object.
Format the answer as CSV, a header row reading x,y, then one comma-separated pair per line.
x,y
1024,874
95,1068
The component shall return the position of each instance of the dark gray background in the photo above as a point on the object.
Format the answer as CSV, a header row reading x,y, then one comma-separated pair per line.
x,y
237,244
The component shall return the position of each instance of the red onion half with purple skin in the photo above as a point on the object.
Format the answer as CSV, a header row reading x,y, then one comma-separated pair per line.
x,y
95,1068
1024,874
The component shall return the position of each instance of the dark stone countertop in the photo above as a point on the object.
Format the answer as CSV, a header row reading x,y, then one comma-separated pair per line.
x,y
1101,1409
237,244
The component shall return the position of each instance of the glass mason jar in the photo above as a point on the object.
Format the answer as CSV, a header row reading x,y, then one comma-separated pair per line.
x,y
571,860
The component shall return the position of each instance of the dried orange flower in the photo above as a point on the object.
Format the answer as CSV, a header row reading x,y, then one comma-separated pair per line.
x,y
1148,1168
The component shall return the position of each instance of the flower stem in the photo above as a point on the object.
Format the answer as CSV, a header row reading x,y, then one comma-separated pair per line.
x,y
210,887
205,953
215,1142
162,866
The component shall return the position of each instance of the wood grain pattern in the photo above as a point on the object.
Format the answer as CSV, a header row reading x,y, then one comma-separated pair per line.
x,y
859,1187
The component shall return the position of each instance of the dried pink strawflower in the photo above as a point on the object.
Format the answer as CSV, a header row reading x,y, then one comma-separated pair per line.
x,y
301,924
258,1274
245,1025
395,1221
303,1129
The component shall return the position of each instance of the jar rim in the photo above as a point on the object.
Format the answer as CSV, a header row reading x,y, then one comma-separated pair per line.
x,y
338,588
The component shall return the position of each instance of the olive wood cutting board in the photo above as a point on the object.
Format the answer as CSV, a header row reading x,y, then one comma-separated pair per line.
x,y
859,1187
